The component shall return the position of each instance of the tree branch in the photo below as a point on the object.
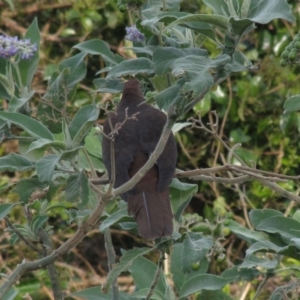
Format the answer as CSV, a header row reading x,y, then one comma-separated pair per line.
x,y
63,249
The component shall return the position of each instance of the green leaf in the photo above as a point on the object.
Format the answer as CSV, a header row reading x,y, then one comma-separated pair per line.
x,y
16,103
77,68
202,282
287,228
11,294
258,215
112,219
15,162
292,104
171,95
219,20
143,271
244,233
195,248
265,246
28,67
77,189
264,11
219,7
99,47
178,276
164,58
92,143
45,167
142,293
37,222
45,143
252,261
236,273
32,126
95,293
197,71
25,188
132,67
5,208
113,86
125,262
82,123
180,195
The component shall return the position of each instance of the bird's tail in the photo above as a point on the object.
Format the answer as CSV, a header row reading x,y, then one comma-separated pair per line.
x,y
152,212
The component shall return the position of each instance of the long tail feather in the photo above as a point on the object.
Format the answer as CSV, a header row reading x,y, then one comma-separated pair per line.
x,y
152,212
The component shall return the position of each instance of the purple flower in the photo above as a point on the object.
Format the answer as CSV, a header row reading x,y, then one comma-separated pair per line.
x,y
11,46
134,35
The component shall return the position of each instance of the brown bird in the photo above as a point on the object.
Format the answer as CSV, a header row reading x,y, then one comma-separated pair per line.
x,y
137,138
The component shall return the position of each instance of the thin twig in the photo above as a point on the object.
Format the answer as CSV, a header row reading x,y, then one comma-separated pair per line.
x,y
260,287
157,275
20,236
111,259
51,268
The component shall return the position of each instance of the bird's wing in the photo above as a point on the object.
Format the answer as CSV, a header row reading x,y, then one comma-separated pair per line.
x,y
150,129
125,144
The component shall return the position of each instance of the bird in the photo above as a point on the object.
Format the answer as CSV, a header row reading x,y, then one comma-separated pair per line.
x,y
139,127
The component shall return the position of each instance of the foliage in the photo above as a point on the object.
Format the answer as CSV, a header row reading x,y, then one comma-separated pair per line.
x,y
183,60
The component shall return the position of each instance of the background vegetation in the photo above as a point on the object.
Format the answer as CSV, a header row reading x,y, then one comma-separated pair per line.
x,y
250,108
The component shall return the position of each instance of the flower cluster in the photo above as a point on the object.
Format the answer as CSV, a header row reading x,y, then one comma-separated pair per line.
x,y
11,46
134,35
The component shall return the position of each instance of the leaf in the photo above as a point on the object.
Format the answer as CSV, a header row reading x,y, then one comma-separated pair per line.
x,y
25,188
178,126
258,215
219,7
92,143
236,273
104,85
16,103
264,11
77,68
125,262
45,143
112,219
244,233
219,20
82,123
37,222
195,248
99,47
171,96
28,67
178,276
292,104
196,69
287,228
5,208
11,294
202,282
77,189
95,293
265,246
45,167
32,126
15,162
143,271
132,67
251,261
180,196
164,58
142,293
